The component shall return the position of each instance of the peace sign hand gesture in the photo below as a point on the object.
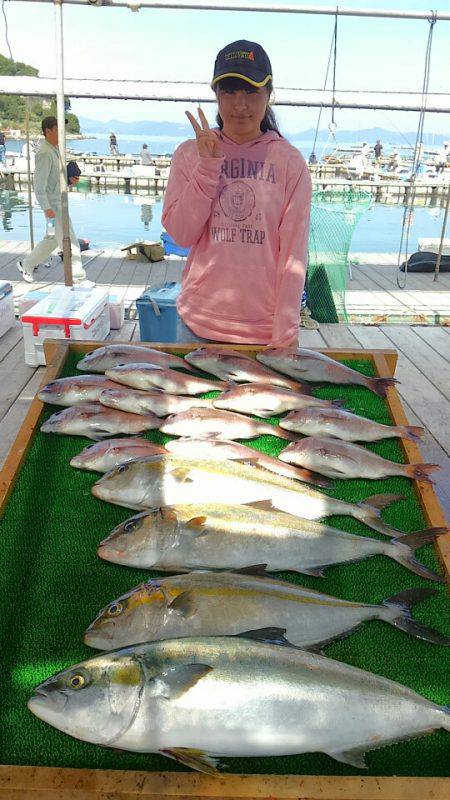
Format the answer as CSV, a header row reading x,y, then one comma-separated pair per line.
x,y
207,141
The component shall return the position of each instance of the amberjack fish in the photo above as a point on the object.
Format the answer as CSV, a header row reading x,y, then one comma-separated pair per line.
x,y
228,603
195,698
215,536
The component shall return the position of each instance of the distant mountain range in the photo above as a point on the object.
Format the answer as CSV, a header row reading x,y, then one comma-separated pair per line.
x,y
153,128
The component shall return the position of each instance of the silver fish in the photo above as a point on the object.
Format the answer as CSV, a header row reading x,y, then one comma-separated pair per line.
x,y
148,376
234,696
167,480
227,603
219,424
310,365
74,390
97,422
112,355
338,459
344,425
264,400
110,453
218,536
231,365
219,449
158,402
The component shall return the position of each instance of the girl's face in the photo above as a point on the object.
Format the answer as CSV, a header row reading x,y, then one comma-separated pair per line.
x,y
242,111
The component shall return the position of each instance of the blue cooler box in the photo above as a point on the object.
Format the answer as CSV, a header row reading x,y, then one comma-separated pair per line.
x,y
171,248
158,316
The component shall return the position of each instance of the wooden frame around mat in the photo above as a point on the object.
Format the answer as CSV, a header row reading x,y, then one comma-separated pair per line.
x,y
51,783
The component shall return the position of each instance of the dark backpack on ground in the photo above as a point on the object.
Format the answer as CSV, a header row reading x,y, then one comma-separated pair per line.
x,y
426,262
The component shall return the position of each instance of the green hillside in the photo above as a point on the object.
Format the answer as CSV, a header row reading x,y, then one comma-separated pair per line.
x,y
12,107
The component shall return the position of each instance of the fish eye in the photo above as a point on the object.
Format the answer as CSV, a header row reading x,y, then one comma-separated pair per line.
x,y
77,681
115,609
122,468
130,525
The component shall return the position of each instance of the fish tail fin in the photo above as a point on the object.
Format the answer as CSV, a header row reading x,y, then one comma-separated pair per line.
x,y
380,385
403,548
403,603
369,512
283,434
421,472
413,432
446,721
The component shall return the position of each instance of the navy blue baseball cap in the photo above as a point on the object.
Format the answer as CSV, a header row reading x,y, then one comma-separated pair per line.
x,y
242,59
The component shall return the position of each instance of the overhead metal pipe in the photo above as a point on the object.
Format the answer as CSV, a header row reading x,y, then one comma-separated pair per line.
x,y
30,196
279,8
444,228
188,92
61,115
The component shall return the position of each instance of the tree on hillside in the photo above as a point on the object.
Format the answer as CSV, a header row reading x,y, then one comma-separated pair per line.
x,y
12,107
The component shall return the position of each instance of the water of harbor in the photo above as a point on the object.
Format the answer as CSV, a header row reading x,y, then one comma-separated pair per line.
x,y
111,219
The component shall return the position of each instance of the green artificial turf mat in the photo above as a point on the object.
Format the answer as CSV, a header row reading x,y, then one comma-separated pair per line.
x,y
53,584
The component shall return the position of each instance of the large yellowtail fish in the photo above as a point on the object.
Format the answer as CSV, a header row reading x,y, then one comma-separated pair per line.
x,y
199,698
167,480
227,603
214,536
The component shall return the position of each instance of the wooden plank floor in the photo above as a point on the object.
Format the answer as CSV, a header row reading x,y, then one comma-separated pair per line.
x,y
372,295
423,370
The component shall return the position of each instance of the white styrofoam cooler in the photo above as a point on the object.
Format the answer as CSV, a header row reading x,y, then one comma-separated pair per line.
x,y
28,300
7,317
68,312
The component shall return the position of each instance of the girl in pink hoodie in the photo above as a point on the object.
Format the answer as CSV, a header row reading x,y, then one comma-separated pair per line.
x,y
239,196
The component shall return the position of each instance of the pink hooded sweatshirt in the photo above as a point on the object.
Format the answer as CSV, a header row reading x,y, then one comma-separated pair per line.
x,y
245,217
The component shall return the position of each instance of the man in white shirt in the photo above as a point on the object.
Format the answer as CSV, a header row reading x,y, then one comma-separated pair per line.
x,y
48,194
146,158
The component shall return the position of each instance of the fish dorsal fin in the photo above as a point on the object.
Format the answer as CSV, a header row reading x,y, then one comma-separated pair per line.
x,y
196,523
261,505
181,474
268,635
196,759
255,569
175,681
184,604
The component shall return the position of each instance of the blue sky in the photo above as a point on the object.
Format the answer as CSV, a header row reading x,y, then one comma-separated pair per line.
x,y
181,45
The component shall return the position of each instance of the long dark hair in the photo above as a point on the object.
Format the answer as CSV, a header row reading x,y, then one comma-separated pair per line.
x,y
269,121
